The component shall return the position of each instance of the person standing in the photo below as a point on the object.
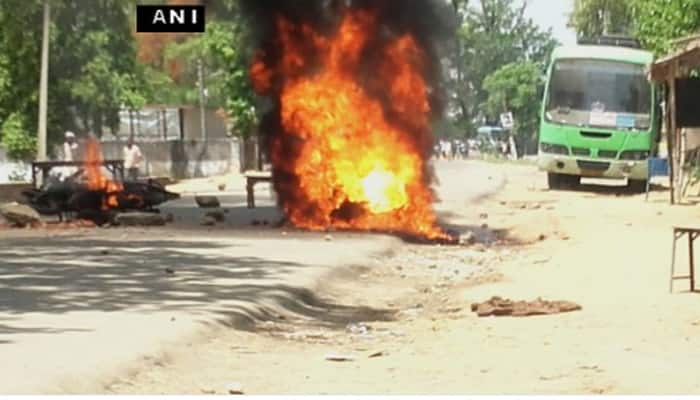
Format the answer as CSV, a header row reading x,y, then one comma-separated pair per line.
x,y
70,147
132,159
70,154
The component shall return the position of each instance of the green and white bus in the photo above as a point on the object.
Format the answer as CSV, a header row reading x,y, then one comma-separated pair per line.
x,y
600,115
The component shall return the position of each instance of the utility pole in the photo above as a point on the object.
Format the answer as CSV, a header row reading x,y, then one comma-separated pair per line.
x,y
202,99
43,86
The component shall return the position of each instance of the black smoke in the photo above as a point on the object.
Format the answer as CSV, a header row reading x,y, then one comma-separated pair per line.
x,y
430,22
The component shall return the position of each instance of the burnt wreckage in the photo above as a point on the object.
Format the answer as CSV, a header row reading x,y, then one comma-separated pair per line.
x,y
74,197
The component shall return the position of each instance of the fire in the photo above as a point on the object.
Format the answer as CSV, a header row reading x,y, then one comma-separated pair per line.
x,y
354,129
96,181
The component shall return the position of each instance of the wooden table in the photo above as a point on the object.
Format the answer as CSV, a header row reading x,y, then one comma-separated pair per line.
x,y
253,178
116,167
678,233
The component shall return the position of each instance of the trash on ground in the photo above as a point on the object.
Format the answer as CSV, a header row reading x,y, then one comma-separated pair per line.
x,y
498,306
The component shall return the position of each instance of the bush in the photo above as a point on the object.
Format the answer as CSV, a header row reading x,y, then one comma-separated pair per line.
x,y
16,140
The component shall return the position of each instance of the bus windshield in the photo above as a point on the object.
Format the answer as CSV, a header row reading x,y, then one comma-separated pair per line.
x,y
597,93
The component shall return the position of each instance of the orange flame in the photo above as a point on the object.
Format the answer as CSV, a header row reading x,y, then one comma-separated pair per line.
x,y
96,181
353,166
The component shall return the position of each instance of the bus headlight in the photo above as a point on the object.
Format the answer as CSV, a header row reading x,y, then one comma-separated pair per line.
x,y
634,155
554,149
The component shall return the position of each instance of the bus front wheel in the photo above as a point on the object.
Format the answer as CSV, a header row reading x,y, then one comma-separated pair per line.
x,y
562,181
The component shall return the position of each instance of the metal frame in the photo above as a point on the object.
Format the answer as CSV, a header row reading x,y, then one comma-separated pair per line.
x,y
253,178
116,167
678,233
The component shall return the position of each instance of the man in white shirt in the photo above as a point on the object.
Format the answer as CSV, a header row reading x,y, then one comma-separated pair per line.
x,y
70,154
70,147
132,160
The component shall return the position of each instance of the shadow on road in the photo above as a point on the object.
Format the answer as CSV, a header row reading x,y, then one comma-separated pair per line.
x,y
69,274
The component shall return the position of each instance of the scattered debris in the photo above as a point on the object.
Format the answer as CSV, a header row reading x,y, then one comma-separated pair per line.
x,y
234,388
139,219
467,238
339,358
19,215
358,329
207,201
379,353
498,306
451,310
208,221
218,215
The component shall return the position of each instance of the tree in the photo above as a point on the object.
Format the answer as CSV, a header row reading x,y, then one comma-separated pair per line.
x,y
225,49
20,46
19,145
93,69
601,17
493,33
513,88
658,22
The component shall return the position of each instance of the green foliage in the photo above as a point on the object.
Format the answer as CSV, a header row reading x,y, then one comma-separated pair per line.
x,y
656,23
92,65
598,17
225,51
445,128
15,140
659,22
513,88
492,34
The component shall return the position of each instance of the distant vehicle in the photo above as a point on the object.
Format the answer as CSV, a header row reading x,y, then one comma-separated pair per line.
x,y
600,114
489,138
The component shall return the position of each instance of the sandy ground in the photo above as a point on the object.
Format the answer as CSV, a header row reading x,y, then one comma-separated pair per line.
x,y
81,306
600,247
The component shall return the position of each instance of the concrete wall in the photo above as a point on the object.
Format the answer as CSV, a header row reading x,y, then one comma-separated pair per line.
x,y
183,159
192,125
10,169
692,138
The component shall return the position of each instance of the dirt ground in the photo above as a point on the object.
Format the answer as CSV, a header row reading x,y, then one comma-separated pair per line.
x,y
602,248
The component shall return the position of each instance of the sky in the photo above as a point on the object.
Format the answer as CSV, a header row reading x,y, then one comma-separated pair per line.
x,y
553,14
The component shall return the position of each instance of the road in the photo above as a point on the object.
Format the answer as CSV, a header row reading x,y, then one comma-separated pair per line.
x,y
79,307
600,247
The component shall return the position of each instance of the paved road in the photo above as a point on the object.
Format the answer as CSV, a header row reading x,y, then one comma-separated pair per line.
x,y
77,307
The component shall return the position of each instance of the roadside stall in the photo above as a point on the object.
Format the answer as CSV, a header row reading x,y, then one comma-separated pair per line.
x,y
679,72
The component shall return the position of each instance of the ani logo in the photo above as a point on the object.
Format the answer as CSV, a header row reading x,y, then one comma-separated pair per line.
x,y
151,18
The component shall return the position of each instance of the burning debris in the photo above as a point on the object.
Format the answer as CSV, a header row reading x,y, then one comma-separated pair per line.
x,y
91,195
355,89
